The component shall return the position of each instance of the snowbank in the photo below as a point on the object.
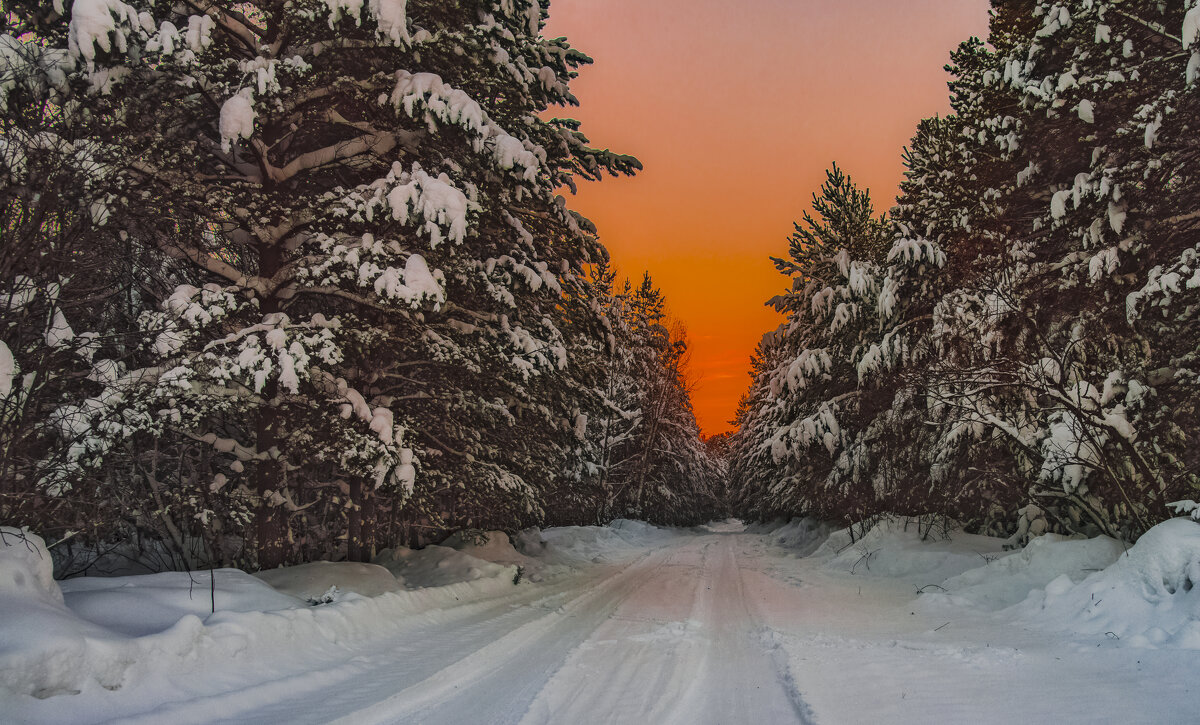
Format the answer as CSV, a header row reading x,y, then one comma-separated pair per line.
x,y
1148,597
728,526
150,603
315,580
538,554
36,627
438,566
619,541
26,569
497,548
47,650
134,633
894,548
1010,579
803,536
641,533
765,527
150,636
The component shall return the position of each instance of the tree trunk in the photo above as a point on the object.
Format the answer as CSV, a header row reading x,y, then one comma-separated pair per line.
x,y
369,525
354,534
270,519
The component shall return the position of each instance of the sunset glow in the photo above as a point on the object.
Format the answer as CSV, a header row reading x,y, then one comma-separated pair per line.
x,y
736,110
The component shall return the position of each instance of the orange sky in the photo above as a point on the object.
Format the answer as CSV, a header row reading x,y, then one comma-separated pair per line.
x,y
736,108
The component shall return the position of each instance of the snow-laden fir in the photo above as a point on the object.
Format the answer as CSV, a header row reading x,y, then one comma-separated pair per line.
x,y
296,283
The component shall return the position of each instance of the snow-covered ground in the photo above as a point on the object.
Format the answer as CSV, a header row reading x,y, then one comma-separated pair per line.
x,y
624,624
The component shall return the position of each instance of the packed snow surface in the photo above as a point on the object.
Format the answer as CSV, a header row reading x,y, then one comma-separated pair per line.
x,y
321,578
725,623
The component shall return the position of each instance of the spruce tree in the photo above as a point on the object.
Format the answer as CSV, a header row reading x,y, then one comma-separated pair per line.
x,y
365,196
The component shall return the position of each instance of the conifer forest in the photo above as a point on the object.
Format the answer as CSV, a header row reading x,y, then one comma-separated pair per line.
x,y
298,312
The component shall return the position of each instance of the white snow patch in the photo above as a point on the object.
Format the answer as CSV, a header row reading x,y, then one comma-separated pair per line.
x,y
146,604
434,199
894,548
1191,26
59,333
1009,580
314,580
1058,203
1152,130
1148,597
1087,111
237,118
8,370
97,24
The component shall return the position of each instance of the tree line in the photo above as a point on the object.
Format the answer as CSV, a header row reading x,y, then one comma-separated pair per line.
x,y
282,281
1014,345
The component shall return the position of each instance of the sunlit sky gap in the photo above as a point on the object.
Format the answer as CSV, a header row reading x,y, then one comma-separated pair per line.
x,y
736,109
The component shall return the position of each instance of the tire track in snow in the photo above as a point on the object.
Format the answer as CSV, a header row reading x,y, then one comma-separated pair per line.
x,y
636,666
768,640
747,682
684,649
496,682
340,681
669,637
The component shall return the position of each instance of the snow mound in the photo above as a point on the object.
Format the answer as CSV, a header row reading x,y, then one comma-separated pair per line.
x,y
803,536
34,623
619,541
578,544
1009,580
728,526
439,566
136,606
493,546
766,527
641,533
26,569
530,543
895,548
46,650
496,547
40,639
315,580
1148,597
135,633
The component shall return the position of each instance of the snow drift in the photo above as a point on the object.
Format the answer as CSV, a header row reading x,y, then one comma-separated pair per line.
x,y
328,579
436,566
1148,597
1010,579
897,548
803,536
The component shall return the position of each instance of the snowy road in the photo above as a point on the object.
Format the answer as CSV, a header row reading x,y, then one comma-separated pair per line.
x,y
668,637
689,627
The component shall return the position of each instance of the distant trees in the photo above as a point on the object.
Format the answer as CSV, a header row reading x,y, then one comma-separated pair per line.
x,y
352,306
809,427
1035,323
665,474
646,453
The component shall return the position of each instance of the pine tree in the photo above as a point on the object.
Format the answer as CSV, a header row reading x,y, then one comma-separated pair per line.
x,y
1036,311
808,408
366,197
71,285
1088,103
